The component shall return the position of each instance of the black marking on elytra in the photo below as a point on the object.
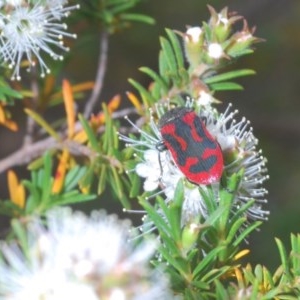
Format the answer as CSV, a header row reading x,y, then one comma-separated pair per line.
x,y
173,114
194,149
203,165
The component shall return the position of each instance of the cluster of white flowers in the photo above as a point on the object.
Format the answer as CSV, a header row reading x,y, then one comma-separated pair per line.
x,y
78,257
236,139
28,28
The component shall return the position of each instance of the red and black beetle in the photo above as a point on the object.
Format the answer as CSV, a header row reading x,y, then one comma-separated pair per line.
x,y
195,152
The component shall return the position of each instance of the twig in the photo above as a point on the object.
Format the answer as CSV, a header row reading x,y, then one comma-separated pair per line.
x,y
101,70
27,153
31,151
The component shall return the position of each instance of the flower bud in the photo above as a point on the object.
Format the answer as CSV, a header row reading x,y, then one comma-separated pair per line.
x,y
221,23
193,42
189,236
242,41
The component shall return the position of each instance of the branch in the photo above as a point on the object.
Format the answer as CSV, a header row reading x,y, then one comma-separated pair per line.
x,y
29,152
101,70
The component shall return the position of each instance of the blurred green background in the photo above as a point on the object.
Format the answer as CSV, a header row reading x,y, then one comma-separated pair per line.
x,y
270,99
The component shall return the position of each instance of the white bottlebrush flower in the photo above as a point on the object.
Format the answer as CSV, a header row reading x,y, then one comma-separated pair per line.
x,y
78,257
236,141
27,30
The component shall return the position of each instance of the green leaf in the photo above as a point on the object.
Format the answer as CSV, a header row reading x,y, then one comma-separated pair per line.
x,y
209,259
201,285
46,178
156,218
283,257
174,212
295,255
214,274
90,133
169,56
7,91
228,75
221,293
119,7
180,265
226,86
209,199
108,136
178,194
146,96
42,122
226,199
117,186
20,231
163,67
10,209
177,48
117,183
86,180
72,198
214,216
159,81
234,228
242,210
246,232
39,162
33,199
135,185
73,177
138,18
102,179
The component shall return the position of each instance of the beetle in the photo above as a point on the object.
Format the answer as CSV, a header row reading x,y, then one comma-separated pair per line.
x,y
194,151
